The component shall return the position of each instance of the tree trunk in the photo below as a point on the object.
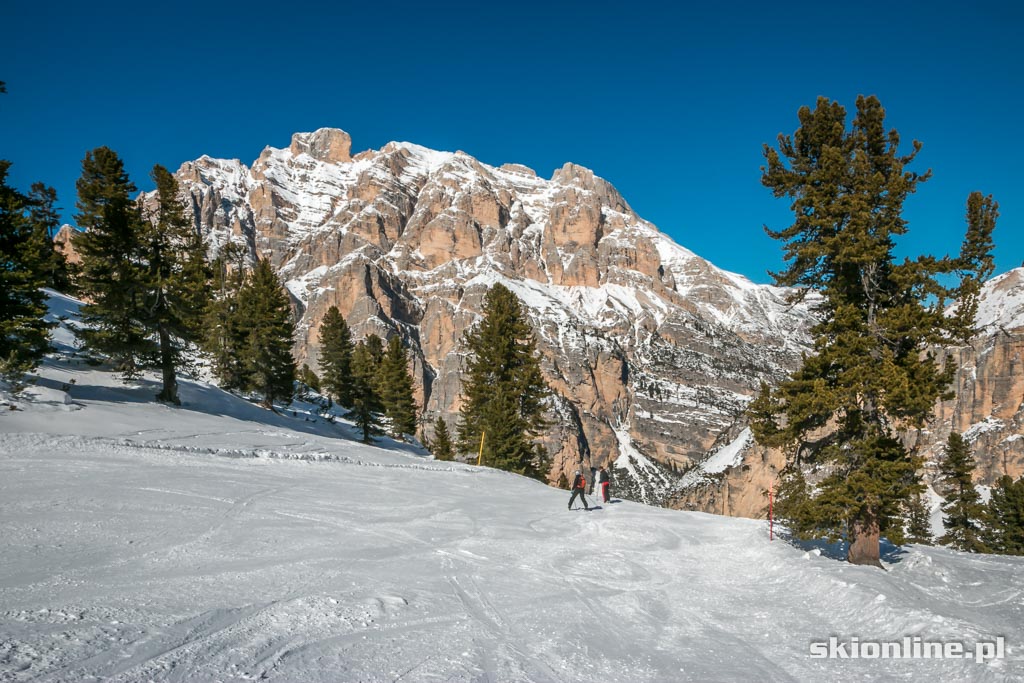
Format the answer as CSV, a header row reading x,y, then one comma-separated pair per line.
x,y
864,540
169,393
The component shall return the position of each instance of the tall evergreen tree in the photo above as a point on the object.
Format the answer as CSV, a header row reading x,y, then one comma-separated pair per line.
x,y
963,509
172,289
365,401
45,221
309,378
870,373
24,336
336,357
396,389
375,351
1004,517
441,445
114,277
266,316
224,336
504,392
919,527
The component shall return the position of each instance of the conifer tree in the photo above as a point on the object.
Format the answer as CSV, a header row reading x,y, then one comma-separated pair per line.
x,y
963,509
24,336
1004,517
45,221
365,400
225,332
441,445
504,392
172,290
114,275
266,322
375,349
309,378
395,388
919,528
336,357
870,373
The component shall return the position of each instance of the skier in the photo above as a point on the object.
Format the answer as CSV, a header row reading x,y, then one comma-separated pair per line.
x,y
579,488
593,480
603,482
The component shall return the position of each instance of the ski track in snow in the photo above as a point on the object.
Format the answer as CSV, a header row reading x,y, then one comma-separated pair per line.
x,y
219,542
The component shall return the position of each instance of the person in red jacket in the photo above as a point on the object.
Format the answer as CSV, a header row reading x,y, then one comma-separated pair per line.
x,y
579,488
603,482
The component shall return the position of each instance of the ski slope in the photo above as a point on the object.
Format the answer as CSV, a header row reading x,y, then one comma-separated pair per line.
x,y
220,542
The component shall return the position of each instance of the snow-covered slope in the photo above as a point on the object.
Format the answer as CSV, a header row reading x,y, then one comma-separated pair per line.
x,y
220,542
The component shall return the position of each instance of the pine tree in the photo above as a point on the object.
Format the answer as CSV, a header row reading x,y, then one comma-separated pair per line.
x,y
266,322
963,509
45,221
504,392
396,390
919,527
1004,517
375,349
309,378
441,446
171,289
870,372
114,276
336,357
365,400
223,321
24,336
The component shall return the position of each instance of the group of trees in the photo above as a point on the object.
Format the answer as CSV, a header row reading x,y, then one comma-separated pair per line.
x,y
369,379
147,282
970,524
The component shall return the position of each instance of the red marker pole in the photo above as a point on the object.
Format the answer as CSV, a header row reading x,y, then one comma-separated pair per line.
x,y
771,520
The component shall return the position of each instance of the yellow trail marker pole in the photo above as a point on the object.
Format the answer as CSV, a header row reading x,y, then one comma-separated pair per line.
x,y
481,455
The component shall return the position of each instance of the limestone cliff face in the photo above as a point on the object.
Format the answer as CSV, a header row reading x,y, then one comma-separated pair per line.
x,y
652,351
988,409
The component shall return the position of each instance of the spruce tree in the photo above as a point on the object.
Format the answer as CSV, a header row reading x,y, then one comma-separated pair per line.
x,y
870,372
309,378
24,336
114,276
365,400
223,321
171,289
375,351
268,329
919,526
336,357
504,392
1004,517
963,509
396,389
441,445
45,220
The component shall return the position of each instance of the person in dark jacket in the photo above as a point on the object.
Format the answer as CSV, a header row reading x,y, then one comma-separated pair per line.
x,y
603,483
579,488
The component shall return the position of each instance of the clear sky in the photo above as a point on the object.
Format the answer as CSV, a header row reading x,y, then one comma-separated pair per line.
x,y
670,104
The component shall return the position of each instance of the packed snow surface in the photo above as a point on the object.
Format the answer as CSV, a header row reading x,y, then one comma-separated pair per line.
x,y
221,542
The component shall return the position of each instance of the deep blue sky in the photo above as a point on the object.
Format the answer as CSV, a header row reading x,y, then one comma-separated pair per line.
x,y
671,105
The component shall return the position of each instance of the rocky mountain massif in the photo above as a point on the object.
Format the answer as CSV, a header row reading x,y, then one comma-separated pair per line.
x,y
652,351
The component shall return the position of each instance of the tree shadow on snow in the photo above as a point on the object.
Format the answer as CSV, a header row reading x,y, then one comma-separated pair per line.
x,y
837,550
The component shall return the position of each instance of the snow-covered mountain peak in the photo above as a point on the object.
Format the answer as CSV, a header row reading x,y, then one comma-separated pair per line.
x,y
1001,305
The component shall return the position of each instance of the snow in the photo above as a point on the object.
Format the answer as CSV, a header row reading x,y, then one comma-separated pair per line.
x,y
133,549
1002,302
729,455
